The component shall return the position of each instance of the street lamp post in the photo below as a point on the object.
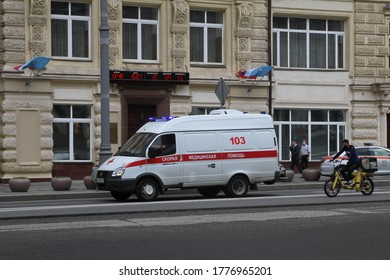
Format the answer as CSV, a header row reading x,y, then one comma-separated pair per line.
x,y
105,146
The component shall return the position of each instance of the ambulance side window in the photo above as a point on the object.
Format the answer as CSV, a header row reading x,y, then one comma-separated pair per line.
x,y
165,145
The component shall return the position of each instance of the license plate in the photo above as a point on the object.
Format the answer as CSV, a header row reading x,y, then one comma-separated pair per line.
x,y
100,180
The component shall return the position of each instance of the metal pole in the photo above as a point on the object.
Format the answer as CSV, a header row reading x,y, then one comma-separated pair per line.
x,y
270,56
105,146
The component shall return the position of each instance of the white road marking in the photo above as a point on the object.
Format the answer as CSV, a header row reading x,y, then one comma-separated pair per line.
x,y
192,201
189,220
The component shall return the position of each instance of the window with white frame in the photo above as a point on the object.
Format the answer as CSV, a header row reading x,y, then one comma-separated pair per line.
x,y
72,132
140,33
206,37
202,110
70,29
308,43
322,129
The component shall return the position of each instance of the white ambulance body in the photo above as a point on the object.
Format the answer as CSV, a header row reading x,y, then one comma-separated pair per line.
x,y
228,152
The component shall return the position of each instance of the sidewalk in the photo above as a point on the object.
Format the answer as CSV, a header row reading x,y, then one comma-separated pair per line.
x,y
44,191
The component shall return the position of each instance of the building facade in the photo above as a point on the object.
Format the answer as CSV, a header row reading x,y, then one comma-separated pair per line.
x,y
330,79
331,75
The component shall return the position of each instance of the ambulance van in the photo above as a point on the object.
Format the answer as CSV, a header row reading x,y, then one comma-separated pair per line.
x,y
210,153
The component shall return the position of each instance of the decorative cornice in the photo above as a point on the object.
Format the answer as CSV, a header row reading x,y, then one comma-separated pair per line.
x,y
14,44
179,52
13,19
38,7
244,32
38,45
113,9
13,6
114,25
245,15
376,88
37,20
243,55
179,28
381,87
114,49
14,32
180,12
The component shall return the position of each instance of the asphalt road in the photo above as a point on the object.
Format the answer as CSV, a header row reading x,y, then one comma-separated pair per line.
x,y
183,202
273,226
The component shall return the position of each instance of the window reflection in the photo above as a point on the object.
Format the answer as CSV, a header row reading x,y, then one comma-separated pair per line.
x,y
323,130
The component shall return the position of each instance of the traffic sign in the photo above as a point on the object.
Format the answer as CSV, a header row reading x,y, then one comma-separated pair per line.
x,y
222,91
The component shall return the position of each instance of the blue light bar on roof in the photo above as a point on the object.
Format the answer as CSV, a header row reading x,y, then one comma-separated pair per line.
x,y
161,119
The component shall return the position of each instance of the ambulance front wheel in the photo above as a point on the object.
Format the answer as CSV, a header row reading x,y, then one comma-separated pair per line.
x,y
238,186
120,196
147,189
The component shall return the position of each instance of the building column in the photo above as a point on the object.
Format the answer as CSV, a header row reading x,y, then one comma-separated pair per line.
x,y
179,27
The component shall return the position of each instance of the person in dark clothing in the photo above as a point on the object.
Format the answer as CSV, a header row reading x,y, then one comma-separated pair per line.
x,y
295,156
353,160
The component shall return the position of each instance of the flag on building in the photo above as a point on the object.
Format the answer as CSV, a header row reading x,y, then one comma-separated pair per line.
x,y
253,73
37,63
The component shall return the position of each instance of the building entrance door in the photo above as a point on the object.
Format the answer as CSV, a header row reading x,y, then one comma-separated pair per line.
x,y
137,105
138,115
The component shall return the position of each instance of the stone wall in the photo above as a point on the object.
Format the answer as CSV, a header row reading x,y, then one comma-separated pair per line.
x,y
37,24
371,72
13,39
24,34
251,34
371,44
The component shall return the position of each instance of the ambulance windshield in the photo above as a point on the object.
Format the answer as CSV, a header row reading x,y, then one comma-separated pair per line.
x,y
136,145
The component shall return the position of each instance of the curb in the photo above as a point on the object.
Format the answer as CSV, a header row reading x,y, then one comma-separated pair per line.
x,y
53,196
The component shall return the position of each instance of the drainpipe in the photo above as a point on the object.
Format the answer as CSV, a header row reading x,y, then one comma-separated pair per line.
x,y
105,146
270,56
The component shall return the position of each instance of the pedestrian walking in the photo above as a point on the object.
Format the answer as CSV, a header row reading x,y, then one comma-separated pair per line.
x,y
295,156
305,155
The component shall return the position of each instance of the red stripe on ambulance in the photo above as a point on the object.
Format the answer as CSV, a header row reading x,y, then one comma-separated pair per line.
x,y
207,156
254,154
197,157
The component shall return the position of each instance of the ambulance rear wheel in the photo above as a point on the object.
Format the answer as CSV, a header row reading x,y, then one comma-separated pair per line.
x,y
120,196
209,191
147,190
238,186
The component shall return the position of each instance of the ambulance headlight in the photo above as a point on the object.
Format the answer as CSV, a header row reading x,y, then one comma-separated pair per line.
x,y
118,172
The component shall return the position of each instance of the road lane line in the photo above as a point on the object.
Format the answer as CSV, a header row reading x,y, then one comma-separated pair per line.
x,y
192,201
193,219
173,221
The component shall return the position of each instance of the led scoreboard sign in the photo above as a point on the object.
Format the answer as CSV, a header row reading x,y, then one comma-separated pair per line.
x,y
143,76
